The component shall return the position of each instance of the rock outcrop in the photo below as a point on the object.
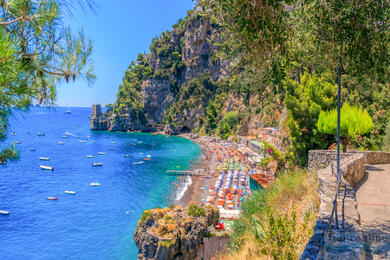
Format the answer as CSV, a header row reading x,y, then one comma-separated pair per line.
x,y
176,58
173,233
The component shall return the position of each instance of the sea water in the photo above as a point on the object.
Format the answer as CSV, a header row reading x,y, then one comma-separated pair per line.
x,y
97,222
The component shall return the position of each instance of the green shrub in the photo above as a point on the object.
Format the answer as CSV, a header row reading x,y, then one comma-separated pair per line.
x,y
195,211
146,215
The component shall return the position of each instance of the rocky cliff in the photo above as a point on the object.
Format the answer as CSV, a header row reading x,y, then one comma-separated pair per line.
x,y
186,84
165,76
173,233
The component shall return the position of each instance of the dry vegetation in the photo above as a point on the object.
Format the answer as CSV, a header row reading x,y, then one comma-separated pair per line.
x,y
277,222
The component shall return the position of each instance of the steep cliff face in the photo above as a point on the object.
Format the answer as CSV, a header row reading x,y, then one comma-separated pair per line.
x,y
158,84
184,85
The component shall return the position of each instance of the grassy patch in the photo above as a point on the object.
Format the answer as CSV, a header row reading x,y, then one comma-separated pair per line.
x,y
277,222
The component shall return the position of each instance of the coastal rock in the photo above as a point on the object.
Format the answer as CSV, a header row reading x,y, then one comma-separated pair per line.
x,y
171,233
159,92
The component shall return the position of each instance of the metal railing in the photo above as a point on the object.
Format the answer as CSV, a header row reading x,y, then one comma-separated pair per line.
x,y
334,216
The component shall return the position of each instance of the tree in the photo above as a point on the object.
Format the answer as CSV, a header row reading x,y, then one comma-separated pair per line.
x,y
353,121
37,52
304,103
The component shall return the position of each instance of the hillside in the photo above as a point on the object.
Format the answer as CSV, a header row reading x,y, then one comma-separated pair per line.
x,y
183,84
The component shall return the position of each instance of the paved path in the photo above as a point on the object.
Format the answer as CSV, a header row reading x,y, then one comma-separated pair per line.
x,y
373,198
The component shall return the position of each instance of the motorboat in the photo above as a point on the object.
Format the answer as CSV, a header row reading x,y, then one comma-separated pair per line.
x,y
52,198
127,155
97,164
70,192
136,163
4,212
44,158
68,112
49,168
111,149
89,156
95,184
41,134
101,153
82,141
60,142
18,142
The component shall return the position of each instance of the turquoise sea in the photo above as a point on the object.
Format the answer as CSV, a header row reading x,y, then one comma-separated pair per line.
x,y
97,222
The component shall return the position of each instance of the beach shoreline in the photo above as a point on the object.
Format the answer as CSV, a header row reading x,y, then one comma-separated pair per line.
x,y
194,193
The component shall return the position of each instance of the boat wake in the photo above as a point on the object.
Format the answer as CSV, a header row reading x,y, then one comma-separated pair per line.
x,y
183,188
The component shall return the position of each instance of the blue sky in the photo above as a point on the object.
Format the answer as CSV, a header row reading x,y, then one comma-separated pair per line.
x,y
120,30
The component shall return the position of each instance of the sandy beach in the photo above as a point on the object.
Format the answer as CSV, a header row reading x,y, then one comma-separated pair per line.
x,y
195,193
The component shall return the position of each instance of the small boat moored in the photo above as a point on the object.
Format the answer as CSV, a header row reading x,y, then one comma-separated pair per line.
x,y
127,155
89,156
49,168
97,164
101,153
136,163
44,158
68,112
18,142
4,212
82,141
95,184
60,142
70,192
52,198
40,134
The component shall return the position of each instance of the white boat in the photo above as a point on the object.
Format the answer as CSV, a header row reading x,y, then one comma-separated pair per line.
x,y
68,112
136,163
44,158
90,156
149,156
95,184
70,192
127,155
13,133
97,164
101,153
17,142
60,142
49,168
64,136
82,141
4,212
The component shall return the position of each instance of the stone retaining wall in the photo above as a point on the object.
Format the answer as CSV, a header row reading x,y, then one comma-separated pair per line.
x,y
353,172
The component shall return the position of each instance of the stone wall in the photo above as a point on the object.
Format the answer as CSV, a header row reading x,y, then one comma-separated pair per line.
x,y
353,172
319,159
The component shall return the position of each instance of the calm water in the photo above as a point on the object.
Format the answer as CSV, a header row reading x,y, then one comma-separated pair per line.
x,y
97,222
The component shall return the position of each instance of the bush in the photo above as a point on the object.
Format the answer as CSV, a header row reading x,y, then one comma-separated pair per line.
x,y
277,221
195,211
146,215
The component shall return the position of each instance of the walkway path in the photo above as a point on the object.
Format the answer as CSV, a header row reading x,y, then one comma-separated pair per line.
x,y
373,198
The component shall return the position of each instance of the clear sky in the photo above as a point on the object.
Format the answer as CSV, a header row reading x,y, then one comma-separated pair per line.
x,y
120,30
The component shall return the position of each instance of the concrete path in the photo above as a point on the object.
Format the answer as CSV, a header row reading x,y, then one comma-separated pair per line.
x,y
373,198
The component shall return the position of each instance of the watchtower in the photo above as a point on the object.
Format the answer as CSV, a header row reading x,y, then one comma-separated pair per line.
x,y
96,110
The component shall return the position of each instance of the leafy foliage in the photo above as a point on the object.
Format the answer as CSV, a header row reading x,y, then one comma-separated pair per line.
x,y
304,102
353,121
195,211
36,52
